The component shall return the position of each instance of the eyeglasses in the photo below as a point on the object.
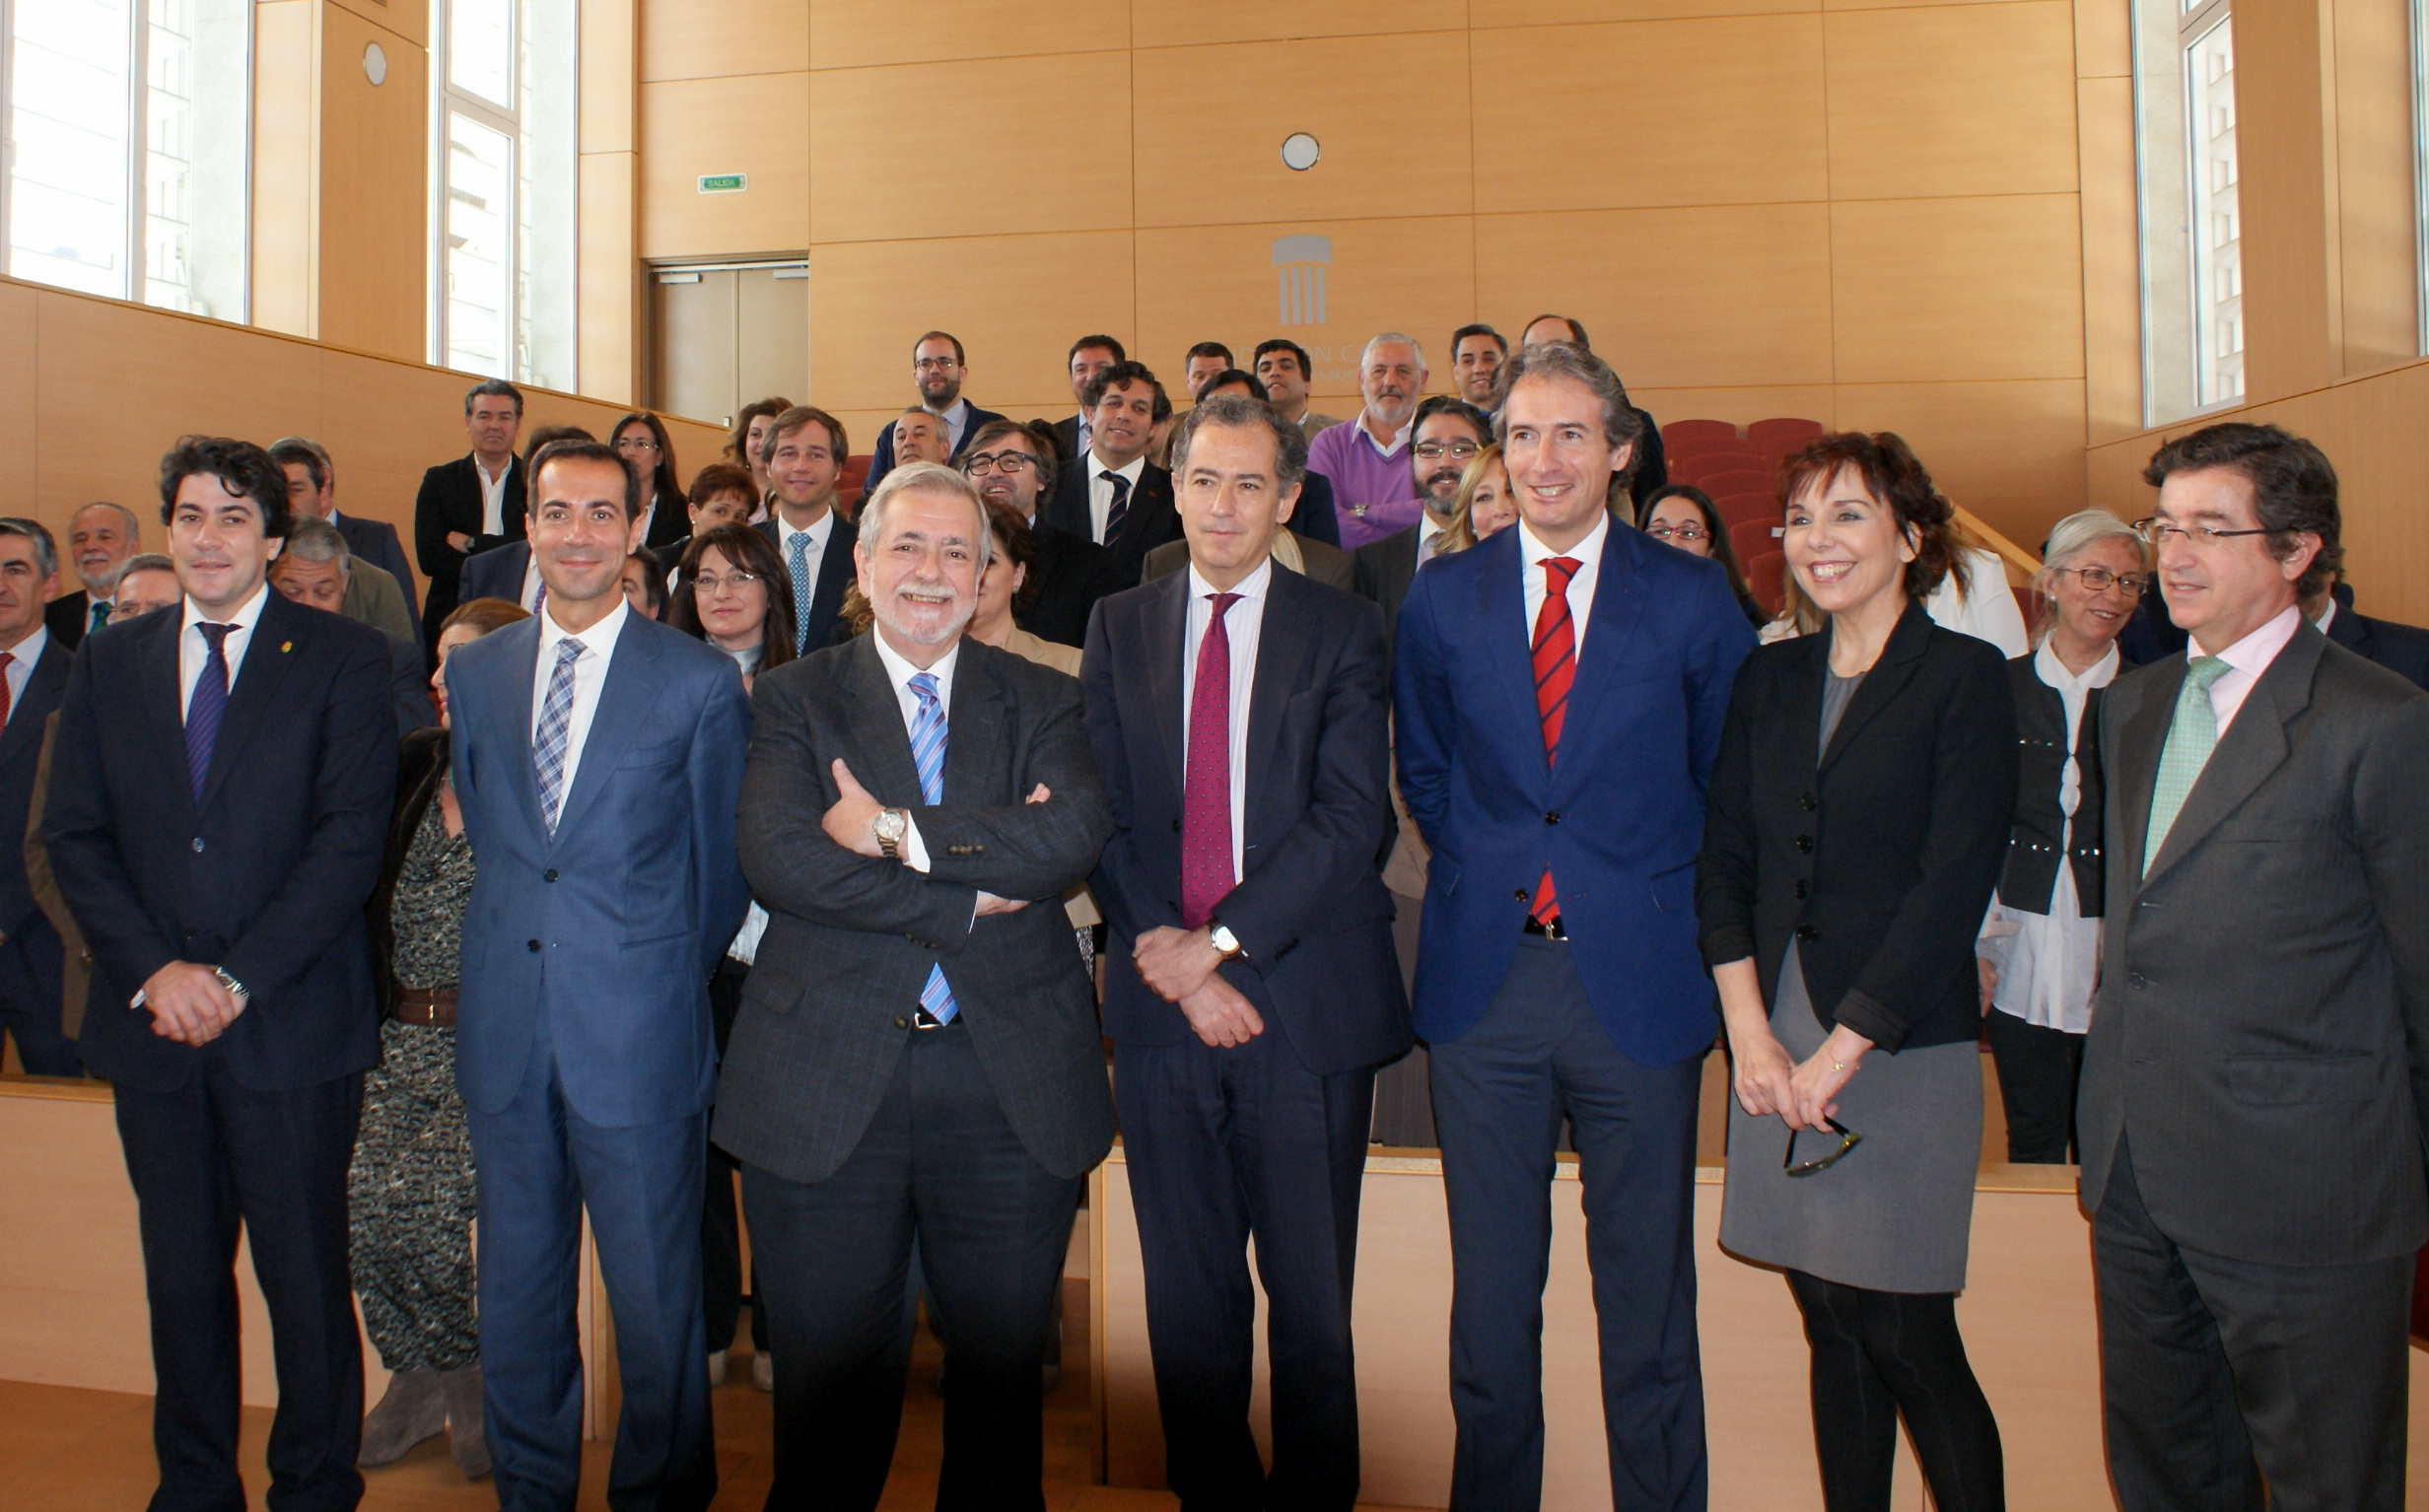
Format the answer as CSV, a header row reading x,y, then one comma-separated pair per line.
x,y
934,364
1457,451
709,583
1847,1140
1678,532
2159,533
2100,579
1010,463
635,444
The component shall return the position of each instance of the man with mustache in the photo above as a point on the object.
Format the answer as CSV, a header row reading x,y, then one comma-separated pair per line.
x,y
917,1060
1366,459
100,538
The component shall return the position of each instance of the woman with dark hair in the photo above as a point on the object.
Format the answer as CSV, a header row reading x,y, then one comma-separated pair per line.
x,y
732,591
410,1195
1857,814
641,440
750,426
1684,515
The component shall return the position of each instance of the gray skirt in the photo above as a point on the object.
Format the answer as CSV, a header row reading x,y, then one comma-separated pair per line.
x,y
1895,1214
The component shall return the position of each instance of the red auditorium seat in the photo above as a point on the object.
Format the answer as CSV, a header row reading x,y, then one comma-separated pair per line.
x,y
1776,439
1738,509
1713,456
1753,539
1679,431
1764,576
1735,480
847,489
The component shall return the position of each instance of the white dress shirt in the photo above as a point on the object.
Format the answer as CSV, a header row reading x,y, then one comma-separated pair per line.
x,y
1988,614
2050,963
194,650
1100,492
899,672
1244,626
589,676
819,534
2245,660
1587,554
2327,613
493,495
21,657
1400,437
530,595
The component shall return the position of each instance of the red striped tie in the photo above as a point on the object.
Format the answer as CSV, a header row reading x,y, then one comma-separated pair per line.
x,y
1555,668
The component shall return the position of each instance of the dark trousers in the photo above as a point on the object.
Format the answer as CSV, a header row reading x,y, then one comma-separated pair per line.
x,y
31,998
2219,1376
2039,1067
1225,1147
942,1165
540,1165
721,1282
1877,1355
203,1158
1499,1092
1404,1095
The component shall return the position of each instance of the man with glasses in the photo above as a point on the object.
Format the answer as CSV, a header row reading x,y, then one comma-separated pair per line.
x,y
1449,433
2255,1082
938,367
804,452
1016,464
1372,492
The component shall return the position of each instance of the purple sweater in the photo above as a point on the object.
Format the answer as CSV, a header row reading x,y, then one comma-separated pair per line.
x,y
1365,479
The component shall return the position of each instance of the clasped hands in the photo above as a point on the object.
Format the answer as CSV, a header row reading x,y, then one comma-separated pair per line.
x,y
852,822
1179,965
189,1003
1802,1094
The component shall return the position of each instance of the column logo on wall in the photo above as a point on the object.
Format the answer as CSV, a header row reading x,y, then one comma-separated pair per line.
x,y
1299,266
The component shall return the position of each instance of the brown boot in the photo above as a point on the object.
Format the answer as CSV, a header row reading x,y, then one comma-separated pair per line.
x,y
409,1411
465,1437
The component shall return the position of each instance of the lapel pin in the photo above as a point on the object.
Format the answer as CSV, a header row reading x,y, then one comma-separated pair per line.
x,y
286,646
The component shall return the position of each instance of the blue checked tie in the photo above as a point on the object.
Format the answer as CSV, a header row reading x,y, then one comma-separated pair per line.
x,y
209,703
556,722
797,563
928,734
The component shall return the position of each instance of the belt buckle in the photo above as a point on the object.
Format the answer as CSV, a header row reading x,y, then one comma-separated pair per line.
x,y
920,1018
1551,928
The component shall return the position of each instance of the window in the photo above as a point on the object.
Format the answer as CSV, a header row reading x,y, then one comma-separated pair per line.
x,y
2192,222
123,178
503,171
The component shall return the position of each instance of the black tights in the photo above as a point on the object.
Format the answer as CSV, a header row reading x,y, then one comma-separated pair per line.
x,y
1877,1355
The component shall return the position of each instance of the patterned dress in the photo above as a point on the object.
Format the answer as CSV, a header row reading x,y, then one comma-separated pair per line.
x,y
410,1192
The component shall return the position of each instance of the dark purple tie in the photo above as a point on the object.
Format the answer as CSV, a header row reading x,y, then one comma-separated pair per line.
x,y
210,701
1206,780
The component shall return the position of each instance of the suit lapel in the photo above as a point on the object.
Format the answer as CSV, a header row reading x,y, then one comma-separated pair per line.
x,y
268,652
1164,642
1282,652
974,730
41,696
1610,627
879,738
160,700
2253,747
1895,668
625,700
2140,736
836,571
1509,640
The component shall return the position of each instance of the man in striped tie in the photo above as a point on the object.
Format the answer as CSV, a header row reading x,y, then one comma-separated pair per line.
x,y
917,1058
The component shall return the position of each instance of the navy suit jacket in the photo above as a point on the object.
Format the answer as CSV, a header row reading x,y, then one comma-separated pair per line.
x,y
1618,817
603,935
265,877
1310,909
882,462
496,572
835,575
1147,522
2401,649
376,542
20,750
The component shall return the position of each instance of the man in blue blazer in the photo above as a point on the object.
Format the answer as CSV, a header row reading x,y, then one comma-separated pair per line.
x,y
598,759
220,796
32,674
1559,692
1239,713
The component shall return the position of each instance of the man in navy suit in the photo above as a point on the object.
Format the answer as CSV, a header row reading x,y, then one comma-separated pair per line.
x,y
32,674
1113,494
2401,649
220,796
1559,692
311,489
597,758
804,451
1238,715
938,367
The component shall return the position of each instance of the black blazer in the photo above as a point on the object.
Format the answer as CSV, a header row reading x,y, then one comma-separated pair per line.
x,y
376,542
1384,570
67,618
20,751
2401,649
1149,522
494,574
1310,909
672,523
1880,855
1070,574
265,877
2039,833
835,575
421,770
1067,438
450,502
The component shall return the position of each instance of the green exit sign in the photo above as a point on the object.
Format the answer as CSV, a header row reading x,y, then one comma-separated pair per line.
x,y
723,184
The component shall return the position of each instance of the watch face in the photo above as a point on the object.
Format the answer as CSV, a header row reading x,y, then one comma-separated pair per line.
x,y
891,824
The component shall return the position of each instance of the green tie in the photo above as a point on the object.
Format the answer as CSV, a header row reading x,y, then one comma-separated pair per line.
x,y
2190,736
101,615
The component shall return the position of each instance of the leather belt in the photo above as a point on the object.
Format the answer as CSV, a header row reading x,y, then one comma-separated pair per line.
x,y
432,1007
1548,929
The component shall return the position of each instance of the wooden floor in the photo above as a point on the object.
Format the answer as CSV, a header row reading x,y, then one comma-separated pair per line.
x,y
66,1450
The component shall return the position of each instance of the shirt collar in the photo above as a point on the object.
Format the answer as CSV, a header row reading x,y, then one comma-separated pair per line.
x,y
817,532
1251,588
1400,437
30,650
899,672
2255,651
946,413
1586,553
2050,671
504,473
598,638
2327,613
1130,474
249,613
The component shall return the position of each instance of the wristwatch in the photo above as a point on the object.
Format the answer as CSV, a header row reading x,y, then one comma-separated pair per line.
x,y
234,988
891,825
1222,938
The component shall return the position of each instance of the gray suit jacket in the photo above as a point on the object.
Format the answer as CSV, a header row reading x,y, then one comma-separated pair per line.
x,y
827,1009
2260,1043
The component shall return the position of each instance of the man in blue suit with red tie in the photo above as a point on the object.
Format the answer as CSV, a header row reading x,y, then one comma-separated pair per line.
x,y
1560,691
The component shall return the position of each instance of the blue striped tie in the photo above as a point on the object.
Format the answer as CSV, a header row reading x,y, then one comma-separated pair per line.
x,y
797,563
927,737
549,742
204,708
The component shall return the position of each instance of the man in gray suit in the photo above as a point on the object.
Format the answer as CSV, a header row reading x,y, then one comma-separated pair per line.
x,y
917,1057
2256,1087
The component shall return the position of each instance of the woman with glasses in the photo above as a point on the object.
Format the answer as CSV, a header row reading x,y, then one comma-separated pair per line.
x,y
640,438
1684,515
1858,808
2039,950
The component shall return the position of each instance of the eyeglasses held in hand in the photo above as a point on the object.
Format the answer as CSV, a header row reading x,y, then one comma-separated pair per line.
x,y
1679,533
1010,463
2159,533
2100,579
1848,1138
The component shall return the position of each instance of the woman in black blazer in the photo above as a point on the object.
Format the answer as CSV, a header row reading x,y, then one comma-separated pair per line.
x,y
1857,813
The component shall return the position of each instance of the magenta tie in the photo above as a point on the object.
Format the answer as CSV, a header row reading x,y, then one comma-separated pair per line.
x,y
1205,781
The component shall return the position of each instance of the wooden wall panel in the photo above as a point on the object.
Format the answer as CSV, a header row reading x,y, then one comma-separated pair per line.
x,y
286,164
373,269
607,274
408,18
757,124
2112,267
2004,450
1905,100
1556,13
1713,111
2104,39
2280,136
717,38
1957,289
863,33
19,385
1161,23
1713,295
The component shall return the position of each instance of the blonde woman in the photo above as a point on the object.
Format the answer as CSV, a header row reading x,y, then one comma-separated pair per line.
x,y
1482,505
